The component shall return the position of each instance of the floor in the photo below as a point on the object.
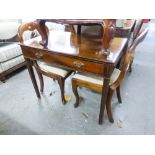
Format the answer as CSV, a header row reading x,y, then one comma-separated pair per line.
x,y
22,113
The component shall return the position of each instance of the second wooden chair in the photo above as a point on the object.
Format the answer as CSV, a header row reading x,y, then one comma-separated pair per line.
x,y
96,83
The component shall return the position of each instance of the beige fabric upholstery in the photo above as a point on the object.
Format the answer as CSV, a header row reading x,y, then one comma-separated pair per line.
x,y
9,51
97,79
52,69
11,63
9,28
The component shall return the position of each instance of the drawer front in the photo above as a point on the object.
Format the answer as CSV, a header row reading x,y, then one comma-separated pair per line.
x,y
64,61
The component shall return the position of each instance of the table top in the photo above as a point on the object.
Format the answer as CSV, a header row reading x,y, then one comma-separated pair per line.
x,y
127,24
76,21
69,44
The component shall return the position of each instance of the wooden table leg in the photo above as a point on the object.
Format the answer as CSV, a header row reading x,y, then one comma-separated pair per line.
x,y
33,79
107,74
103,99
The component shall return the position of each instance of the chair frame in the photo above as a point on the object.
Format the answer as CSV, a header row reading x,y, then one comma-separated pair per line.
x,y
98,88
140,37
137,28
31,26
125,63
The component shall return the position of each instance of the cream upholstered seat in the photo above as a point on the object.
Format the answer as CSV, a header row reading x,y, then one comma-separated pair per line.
x,y
52,69
97,79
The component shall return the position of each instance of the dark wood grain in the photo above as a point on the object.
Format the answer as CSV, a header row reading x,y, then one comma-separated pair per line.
x,y
107,24
78,53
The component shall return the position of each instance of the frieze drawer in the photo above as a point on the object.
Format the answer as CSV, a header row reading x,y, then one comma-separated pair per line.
x,y
65,61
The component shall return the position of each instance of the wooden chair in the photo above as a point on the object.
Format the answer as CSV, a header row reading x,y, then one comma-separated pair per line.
x,y
137,28
135,31
139,38
42,68
96,83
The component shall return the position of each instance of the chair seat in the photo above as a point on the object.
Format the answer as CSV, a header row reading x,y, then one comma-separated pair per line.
x,y
98,80
52,69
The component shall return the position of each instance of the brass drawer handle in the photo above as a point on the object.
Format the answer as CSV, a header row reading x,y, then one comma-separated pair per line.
x,y
78,64
39,55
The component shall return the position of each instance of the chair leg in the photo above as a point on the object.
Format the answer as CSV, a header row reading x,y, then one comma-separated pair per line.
x,y
61,83
40,76
74,88
41,82
118,94
130,67
108,106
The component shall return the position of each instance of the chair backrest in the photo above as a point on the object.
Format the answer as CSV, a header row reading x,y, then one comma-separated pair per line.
x,y
128,56
137,28
31,26
131,50
25,27
140,37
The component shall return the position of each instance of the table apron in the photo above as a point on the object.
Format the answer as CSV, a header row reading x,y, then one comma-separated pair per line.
x,y
73,63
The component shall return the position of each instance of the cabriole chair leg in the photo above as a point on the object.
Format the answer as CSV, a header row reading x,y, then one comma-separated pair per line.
x,y
75,91
118,94
61,85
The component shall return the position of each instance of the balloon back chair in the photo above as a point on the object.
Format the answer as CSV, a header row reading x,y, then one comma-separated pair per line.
x,y
54,72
